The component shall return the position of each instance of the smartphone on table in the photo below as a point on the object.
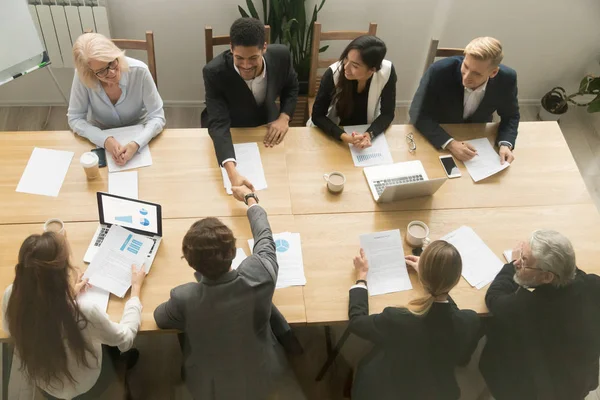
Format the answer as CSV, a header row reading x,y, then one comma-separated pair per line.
x,y
450,167
101,153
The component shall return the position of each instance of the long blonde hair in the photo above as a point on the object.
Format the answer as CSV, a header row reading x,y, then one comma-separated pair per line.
x,y
94,46
440,267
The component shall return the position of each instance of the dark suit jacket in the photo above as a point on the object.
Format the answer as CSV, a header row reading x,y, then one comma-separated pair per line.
x,y
439,100
230,103
230,351
543,344
414,356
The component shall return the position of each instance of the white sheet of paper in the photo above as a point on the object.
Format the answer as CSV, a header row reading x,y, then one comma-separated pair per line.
x,y
240,255
94,296
111,267
45,172
387,268
479,264
377,154
249,164
124,135
289,258
123,184
486,163
507,255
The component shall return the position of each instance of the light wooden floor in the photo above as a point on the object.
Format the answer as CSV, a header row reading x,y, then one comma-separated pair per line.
x,y
157,374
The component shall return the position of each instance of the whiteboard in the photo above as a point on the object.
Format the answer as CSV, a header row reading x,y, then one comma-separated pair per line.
x,y
20,44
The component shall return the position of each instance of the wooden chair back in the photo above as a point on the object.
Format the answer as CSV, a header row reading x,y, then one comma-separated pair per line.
x,y
316,63
145,45
440,52
210,41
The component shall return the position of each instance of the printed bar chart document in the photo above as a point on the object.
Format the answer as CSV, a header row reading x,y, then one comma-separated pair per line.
x,y
111,267
142,158
249,164
387,268
479,264
289,258
45,172
377,154
486,163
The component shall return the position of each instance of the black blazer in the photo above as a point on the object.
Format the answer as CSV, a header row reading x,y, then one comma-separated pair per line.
x,y
413,357
230,103
439,100
543,344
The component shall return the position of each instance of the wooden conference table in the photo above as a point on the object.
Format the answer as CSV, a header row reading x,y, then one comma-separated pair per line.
x,y
542,189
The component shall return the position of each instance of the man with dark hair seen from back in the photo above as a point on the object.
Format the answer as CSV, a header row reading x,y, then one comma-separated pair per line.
x,y
242,85
230,350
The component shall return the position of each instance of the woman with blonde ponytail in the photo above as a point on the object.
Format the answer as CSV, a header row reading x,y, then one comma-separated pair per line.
x,y
417,348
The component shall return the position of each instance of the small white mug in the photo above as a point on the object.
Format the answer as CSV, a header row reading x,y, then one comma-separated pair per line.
x,y
416,233
335,181
54,225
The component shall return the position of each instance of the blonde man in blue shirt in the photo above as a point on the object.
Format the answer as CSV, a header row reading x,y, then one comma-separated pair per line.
x,y
111,90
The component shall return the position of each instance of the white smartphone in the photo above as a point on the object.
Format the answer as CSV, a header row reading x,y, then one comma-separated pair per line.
x,y
450,167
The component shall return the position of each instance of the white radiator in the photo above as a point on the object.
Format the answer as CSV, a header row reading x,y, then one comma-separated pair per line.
x,y
60,22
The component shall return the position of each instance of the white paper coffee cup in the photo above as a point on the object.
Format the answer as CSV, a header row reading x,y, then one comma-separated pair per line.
x,y
89,161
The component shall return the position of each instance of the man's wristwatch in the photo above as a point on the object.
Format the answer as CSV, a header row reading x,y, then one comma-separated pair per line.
x,y
250,195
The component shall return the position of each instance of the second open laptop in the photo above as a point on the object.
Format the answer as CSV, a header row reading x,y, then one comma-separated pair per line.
x,y
135,215
400,181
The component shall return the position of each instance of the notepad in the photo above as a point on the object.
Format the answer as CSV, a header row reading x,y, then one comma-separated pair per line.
x,y
123,184
479,264
249,165
94,296
387,268
486,163
45,172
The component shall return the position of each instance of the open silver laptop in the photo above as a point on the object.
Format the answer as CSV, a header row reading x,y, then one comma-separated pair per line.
x,y
135,215
400,181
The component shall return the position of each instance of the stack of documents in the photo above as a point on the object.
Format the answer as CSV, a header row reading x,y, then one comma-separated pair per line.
x,y
289,258
111,267
249,165
479,264
45,172
377,154
486,163
142,158
387,268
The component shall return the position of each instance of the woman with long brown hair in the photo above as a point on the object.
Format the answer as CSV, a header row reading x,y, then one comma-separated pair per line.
x,y
359,89
60,343
416,349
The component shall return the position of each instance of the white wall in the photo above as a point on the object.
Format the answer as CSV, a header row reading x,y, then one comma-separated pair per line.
x,y
549,42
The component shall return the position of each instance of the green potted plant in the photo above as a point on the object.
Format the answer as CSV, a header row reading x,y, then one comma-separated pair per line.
x,y
556,102
290,26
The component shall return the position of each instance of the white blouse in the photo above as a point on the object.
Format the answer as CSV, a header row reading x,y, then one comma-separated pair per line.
x,y
99,330
139,103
